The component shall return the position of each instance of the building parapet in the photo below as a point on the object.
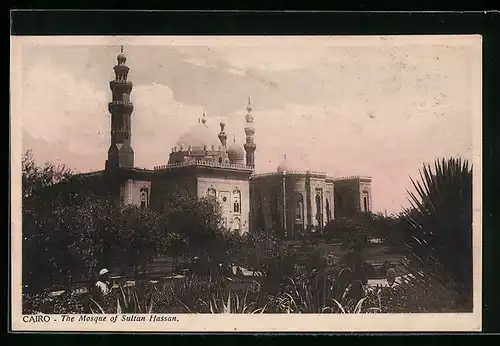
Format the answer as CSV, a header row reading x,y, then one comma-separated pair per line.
x,y
259,175
353,177
89,174
199,163
137,169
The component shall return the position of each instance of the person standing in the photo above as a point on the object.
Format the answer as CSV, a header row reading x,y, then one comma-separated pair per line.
x,y
104,282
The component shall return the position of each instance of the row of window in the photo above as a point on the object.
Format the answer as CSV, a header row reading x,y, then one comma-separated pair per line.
x,y
299,208
211,192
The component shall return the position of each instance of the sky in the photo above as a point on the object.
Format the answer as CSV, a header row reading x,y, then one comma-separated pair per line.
x,y
378,107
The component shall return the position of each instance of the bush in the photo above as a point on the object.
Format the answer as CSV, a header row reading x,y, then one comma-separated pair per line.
x,y
439,226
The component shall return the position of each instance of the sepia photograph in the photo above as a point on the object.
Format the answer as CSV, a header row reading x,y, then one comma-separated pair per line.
x,y
298,183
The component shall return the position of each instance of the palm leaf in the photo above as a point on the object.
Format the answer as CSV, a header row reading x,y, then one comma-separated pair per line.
x,y
440,222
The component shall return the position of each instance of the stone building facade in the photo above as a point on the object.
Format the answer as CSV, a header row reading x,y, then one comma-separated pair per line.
x,y
290,201
293,201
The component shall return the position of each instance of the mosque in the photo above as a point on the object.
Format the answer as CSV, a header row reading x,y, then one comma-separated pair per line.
x,y
289,201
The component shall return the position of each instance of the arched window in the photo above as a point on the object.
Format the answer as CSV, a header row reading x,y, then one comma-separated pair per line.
x,y
318,208
236,201
144,194
220,159
236,225
211,192
299,207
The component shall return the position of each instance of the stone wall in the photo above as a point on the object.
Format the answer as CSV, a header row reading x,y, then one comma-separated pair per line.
x,y
229,192
136,191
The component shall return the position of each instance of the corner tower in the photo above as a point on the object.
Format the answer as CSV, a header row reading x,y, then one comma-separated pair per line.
x,y
250,131
120,153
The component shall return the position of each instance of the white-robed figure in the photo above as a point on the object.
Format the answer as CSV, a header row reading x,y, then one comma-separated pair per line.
x,y
104,284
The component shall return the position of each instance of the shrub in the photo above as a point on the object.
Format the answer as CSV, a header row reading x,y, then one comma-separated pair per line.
x,y
439,226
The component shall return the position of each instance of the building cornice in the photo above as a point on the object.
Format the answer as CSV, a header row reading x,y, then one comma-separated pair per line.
x,y
311,174
205,164
290,173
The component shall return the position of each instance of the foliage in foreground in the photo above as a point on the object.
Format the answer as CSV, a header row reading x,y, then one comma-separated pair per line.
x,y
313,293
439,226
73,230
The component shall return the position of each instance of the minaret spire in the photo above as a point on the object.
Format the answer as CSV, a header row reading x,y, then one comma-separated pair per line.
x,y
249,132
222,133
120,153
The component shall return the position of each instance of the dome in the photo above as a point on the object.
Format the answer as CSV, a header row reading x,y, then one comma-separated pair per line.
x,y
197,137
235,153
287,165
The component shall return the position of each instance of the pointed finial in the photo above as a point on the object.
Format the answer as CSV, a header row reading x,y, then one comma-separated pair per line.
x,y
234,138
284,157
249,103
203,120
198,120
121,57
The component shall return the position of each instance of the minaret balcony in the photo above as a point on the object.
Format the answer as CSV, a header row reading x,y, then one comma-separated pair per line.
x,y
121,68
121,84
249,131
120,105
249,146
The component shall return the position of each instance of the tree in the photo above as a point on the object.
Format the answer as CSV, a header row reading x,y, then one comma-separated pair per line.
x,y
439,224
68,231
36,178
139,236
195,223
37,185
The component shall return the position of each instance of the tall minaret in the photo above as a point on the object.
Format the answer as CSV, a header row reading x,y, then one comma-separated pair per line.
x,y
250,131
120,153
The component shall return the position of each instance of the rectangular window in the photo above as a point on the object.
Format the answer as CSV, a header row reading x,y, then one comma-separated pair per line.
x,y
365,203
143,204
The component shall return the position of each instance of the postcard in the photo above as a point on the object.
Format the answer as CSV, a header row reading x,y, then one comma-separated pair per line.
x,y
246,183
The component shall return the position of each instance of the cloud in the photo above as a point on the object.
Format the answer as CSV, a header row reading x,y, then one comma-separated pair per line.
x,y
280,56
158,121
345,140
200,62
72,113
59,108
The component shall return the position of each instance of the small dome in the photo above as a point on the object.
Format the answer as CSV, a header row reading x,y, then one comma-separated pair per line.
x,y
235,153
197,137
287,165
